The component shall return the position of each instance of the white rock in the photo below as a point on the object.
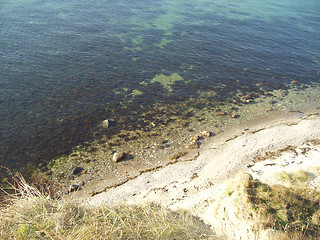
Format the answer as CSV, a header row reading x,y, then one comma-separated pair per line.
x,y
117,157
105,123
205,134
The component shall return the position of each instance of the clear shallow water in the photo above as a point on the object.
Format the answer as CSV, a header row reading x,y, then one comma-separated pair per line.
x,y
67,65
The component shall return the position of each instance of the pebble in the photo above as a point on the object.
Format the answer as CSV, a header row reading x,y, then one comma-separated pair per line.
x,y
194,175
86,161
195,138
192,145
117,157
222,113
76,170
105,123
81,183
205,134
248,96
74,187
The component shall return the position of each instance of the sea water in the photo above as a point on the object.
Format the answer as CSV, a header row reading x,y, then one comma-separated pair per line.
x,y
65,66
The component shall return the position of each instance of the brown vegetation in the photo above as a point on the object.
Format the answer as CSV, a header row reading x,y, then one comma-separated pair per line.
x,y
33,214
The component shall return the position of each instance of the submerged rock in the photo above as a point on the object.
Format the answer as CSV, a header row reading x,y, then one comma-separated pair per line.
x,y
76,170
105,123
222,113
248,96
117,157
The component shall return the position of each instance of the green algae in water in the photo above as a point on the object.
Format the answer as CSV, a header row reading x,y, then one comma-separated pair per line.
x,y
121,91
136,92
163,42
171,16
165,81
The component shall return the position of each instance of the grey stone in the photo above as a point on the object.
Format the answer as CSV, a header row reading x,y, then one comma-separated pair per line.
x,y
76,170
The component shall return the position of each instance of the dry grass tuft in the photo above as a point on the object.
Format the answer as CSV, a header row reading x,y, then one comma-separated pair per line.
x,y
33,214
254,210
293,211
296,179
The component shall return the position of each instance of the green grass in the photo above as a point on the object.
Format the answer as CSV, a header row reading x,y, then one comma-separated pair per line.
x,y
32,214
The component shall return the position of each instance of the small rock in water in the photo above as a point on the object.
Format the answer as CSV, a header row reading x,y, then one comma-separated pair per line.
x,y
76,170
222,113
192,145
248,96
105,123
117,157
294,82
74,187
268,109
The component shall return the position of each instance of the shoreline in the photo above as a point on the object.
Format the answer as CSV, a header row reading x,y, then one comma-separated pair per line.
x,y
168,144
202,182
218,185
227,153
197,185
163,146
